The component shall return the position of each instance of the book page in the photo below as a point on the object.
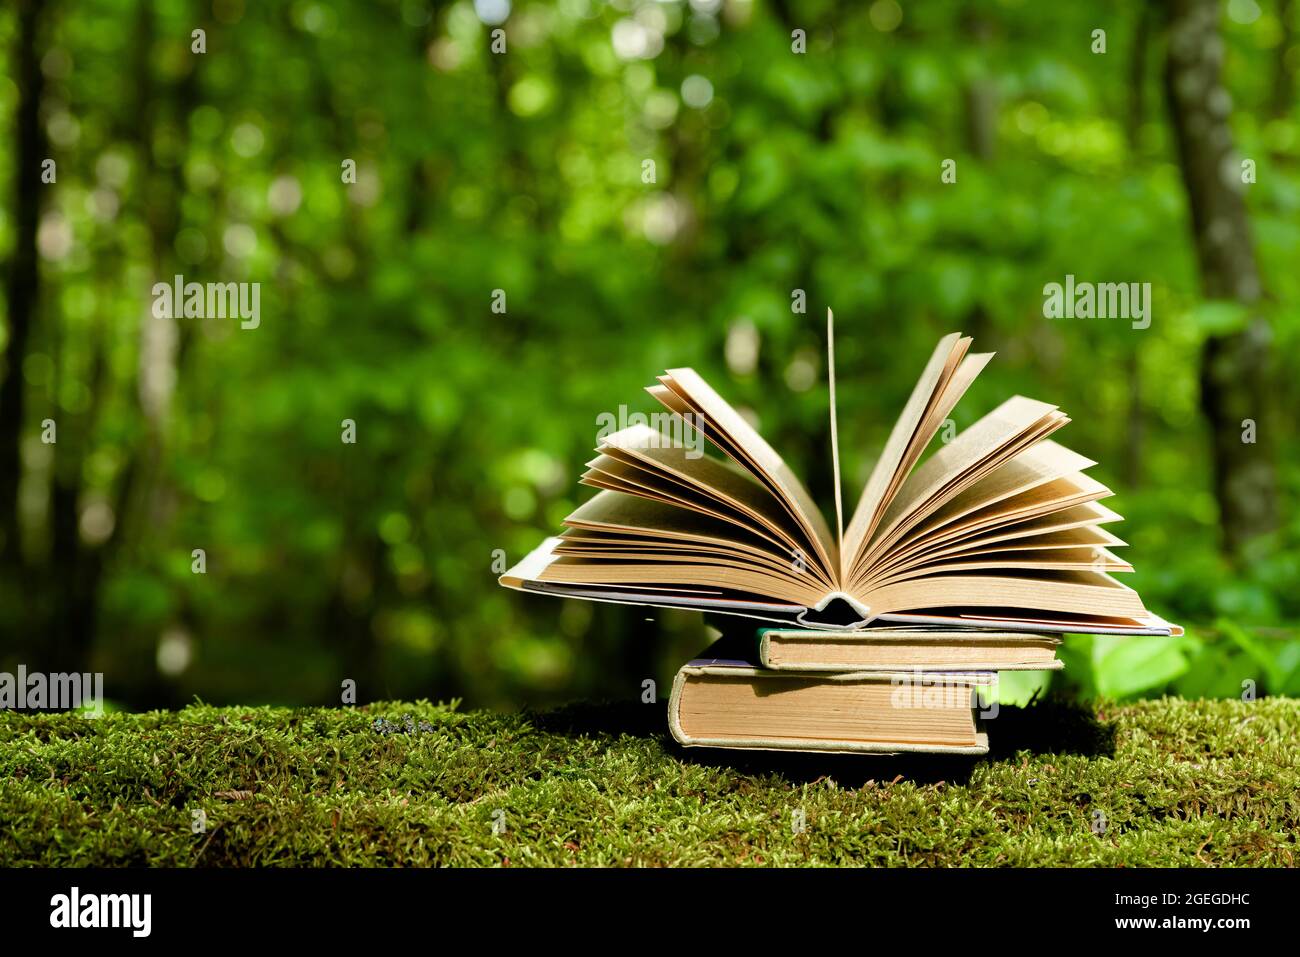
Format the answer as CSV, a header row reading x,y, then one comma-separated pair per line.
x,y
607,472
1057,496
1072,592
702,571
656,452
947,397
1084,536
653,566
598,547
998,528
943,361
731,557
1007,430
604,473
1040,464
727,429
619,511
1089,558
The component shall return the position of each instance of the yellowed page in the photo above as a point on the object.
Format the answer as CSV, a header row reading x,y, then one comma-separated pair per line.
x,y
737,494
1037,465
979,449
953,390
1095,558
943,361
726,483
1082,537
605,471
664,550
1066,592
947,398
619,511
1035,503
686,500
743,443
704,571
676,554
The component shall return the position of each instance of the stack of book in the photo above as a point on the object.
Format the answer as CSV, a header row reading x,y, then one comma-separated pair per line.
x,y
961,562
877,690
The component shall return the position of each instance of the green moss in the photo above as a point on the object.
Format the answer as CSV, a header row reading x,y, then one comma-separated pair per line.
x,y
1175,782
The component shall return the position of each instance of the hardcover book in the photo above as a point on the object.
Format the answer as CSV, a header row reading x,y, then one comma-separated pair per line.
x,y
891,649
998,528
720,700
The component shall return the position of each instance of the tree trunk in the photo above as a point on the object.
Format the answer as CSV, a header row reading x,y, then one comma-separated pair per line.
x,y
980,93
1134,439
1282,94
1137,103
22,290
1131,461
1234,367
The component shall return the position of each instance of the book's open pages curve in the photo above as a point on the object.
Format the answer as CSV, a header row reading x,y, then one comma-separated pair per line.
x,y
996,438
998,528
529,573
643,462
1015,485
908,432
684,391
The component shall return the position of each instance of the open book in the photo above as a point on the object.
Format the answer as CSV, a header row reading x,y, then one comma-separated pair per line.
x,y
997,528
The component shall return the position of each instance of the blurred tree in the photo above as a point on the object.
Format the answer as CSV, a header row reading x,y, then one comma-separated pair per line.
x,y
1236,368
22,289
387,179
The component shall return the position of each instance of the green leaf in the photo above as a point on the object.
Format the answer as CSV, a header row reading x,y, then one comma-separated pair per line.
x,y
1018,687
1126,665
1265,658
1219,317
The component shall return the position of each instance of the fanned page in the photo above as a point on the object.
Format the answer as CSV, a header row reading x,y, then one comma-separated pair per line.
x,y
728,430
1000,527
906,434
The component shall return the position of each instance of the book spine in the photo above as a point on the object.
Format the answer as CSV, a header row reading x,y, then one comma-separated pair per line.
x,y
674,709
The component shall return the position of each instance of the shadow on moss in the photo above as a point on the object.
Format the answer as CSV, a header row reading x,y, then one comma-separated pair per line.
x,y
1054,726
604,717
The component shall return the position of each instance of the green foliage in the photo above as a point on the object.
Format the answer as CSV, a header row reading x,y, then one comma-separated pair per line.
x,y
1224,660
1157,783
522,172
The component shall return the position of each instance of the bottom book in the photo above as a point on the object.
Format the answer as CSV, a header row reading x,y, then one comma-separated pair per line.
x,y
728,702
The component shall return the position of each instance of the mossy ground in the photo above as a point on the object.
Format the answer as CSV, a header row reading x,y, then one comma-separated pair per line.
x,y
1174,782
